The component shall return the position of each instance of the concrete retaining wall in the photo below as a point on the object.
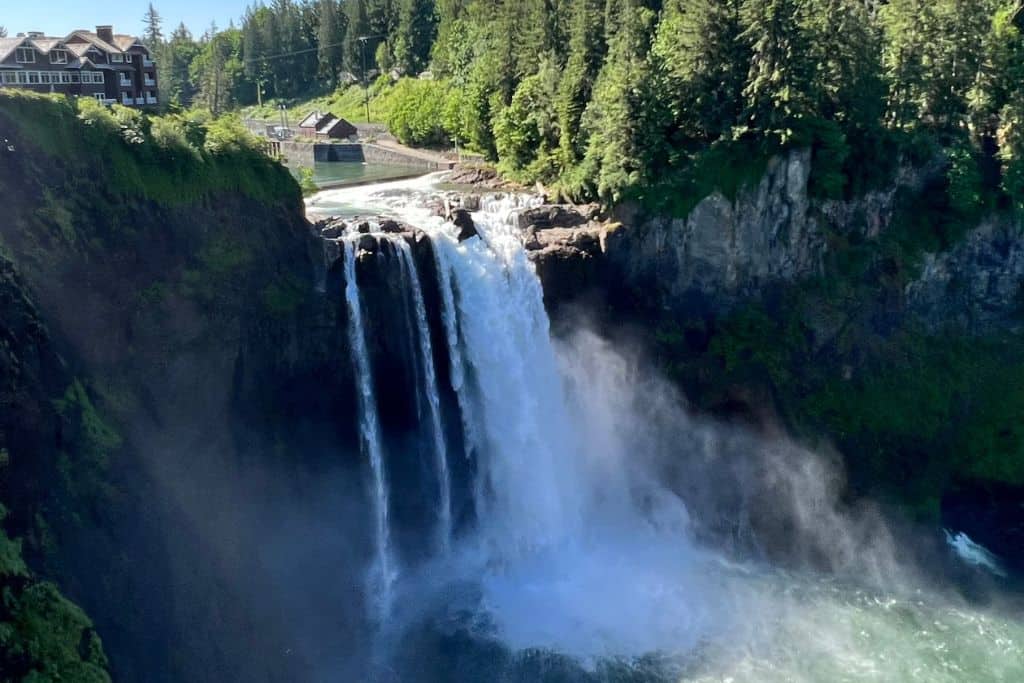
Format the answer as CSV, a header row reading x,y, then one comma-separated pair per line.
x,y
306,154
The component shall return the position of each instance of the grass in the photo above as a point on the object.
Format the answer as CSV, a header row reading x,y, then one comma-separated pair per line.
x,y
347,102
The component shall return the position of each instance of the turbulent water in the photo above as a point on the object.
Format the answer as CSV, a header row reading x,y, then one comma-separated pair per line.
x,y
580,561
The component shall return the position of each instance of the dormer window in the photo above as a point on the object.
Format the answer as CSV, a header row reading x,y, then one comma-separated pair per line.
x,y
117,59
58,56
26,55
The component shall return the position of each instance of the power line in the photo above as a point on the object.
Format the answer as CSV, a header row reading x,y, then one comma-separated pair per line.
x,y
307,50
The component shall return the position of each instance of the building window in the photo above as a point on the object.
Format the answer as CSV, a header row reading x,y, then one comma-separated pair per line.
x,y
117,59
9,77
129,58
22,77
58,56
26,55
33,78
65,76
44,77
99,96
75,77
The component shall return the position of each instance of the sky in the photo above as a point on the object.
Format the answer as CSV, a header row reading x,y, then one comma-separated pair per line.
x,y
60,17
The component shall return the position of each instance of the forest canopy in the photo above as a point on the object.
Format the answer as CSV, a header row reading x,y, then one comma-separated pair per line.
x,y
616,99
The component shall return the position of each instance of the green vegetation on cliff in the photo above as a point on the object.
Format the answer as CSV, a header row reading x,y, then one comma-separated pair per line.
x,y
172,159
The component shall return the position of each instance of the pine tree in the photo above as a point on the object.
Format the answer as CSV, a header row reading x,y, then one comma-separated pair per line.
x,y
848,83
417,27
618,121
173,68
3,31
778,89
357,54
586,53
704,61
330,39
932,59
152,35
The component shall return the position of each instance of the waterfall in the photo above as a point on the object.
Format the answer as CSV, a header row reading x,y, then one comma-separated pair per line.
x,y
444,504
383,573
443,247
527,492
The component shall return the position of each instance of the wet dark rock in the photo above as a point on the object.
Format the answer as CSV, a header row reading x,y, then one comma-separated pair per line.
x,y
463,220
390,226
363,227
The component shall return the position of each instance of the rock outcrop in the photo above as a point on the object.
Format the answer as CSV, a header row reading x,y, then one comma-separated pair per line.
x,y
977,285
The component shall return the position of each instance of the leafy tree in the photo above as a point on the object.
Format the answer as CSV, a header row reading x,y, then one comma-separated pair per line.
x,y
3,31
526,131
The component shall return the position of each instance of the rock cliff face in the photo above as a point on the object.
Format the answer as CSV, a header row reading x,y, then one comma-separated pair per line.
x,y
729,251
979,284
725,248
191,390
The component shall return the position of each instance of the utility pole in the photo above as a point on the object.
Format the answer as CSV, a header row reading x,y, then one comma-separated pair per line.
x,y
366,88
284,121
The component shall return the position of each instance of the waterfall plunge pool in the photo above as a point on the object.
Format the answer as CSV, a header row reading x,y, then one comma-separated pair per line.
x,y
582,560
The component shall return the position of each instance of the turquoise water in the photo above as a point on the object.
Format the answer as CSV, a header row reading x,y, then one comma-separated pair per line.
x,y
344,173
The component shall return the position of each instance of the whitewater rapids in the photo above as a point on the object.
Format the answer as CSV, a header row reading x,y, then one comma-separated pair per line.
x,y
580,562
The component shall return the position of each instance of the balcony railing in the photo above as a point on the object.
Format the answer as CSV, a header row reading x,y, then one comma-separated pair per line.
x,y
149,81
126,83
125,99
151,100
146,61
140,100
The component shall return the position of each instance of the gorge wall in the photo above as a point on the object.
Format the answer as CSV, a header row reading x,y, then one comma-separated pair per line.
x,y
879,325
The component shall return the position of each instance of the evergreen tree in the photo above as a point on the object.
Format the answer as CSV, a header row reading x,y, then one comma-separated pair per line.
x,y
778,89
152,34
330,40
932,59
846,45
704,61
358,22
586,53
618,121
173,68
3,31
452,53
417,27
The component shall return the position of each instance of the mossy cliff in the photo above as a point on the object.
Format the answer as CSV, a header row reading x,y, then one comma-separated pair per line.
x,y
888,325
153,273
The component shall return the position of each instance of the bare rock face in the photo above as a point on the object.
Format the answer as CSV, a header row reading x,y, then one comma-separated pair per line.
x,y
726,248
978,284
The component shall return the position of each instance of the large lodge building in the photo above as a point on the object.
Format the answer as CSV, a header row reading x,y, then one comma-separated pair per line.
x,y
107,66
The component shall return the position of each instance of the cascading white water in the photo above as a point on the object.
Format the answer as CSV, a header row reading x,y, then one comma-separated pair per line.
x,y
580,549
426,349
383,573
443,247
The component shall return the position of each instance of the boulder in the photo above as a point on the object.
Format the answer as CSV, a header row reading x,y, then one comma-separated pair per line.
x,y
462,220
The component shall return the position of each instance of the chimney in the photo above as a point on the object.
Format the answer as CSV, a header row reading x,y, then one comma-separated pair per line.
x,y
105,33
